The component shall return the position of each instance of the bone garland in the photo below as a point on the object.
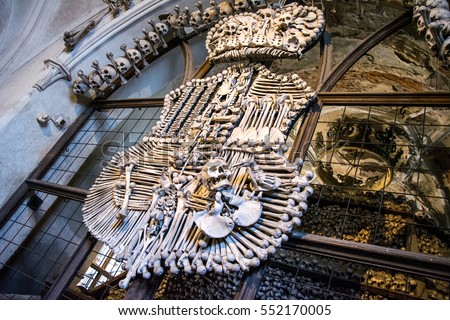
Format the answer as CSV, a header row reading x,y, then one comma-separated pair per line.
x,y
267,34
433,19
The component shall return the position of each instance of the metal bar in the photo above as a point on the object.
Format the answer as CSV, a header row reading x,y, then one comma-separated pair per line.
x,y
66,276
203,70
101,105
251,283
436,99
14,201
409,262
59,190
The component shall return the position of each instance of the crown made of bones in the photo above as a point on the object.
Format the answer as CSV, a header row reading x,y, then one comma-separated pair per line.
x,y
269,33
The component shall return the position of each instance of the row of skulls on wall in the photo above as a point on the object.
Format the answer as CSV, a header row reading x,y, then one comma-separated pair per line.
x,y
134,59
433,20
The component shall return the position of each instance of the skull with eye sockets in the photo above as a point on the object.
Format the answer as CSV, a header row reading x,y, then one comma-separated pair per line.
x,y
215,174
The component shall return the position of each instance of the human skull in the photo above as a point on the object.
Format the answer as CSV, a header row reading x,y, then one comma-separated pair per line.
x,y
439,14
429,38
267,13
162,28
216,173
258,3
145,46
196,20
134,55
123,64
445,50
183,19
283,21
421,25
437,4
95,80
154,38
225,9
232,27
210,15
108,72
172,21
241,5
79,86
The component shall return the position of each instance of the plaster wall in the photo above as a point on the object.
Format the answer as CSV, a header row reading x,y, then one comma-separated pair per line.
x,y
31,32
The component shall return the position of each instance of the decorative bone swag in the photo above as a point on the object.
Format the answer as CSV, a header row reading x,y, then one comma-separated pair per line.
x,y
210,188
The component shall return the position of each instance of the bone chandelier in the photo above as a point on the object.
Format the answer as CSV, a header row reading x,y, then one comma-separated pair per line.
x,y
210,188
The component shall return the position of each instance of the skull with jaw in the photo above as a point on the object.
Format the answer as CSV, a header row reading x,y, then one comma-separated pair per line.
x,y
162,28
445,50
145,46
241,5
108,72
283,21
437,4
429,38
215,174
134,55
79,87
123,64
210,15
154,38
225,9
421,26
95,80
196,20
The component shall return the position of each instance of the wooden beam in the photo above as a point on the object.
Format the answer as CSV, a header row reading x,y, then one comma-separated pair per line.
x,y
389,99
101,105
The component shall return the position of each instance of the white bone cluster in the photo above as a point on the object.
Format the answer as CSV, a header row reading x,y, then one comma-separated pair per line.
x,y
433,20
266,34
210,189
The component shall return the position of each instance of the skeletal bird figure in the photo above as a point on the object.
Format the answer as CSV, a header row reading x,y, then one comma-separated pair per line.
x,y
210,188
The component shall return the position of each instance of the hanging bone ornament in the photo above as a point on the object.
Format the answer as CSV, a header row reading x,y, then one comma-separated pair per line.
x,y
210,188
285,32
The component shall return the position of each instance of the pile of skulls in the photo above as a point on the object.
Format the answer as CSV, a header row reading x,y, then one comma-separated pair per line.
x,y
356,224
431,244
433,20
195,287
278,284
395,282
283,33
314,263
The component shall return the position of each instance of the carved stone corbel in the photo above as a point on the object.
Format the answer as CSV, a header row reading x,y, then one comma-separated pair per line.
x,y
55,70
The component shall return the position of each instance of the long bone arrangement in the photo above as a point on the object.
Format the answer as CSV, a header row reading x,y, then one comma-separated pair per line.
x,y
210,187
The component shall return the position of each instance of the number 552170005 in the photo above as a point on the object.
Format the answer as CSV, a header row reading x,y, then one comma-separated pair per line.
x,y
295,309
